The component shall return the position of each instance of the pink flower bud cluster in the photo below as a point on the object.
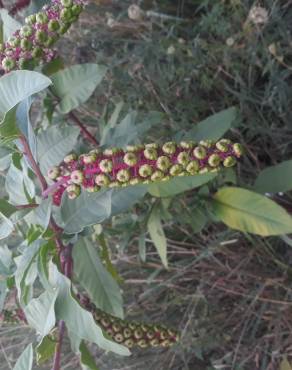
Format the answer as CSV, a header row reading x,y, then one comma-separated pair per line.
x,y
32,44
139,164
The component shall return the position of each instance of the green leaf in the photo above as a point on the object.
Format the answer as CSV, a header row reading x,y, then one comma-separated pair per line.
x,y
96,280
156,232
79,322
54,144
8,127
41,215
86,359
75,84
45,350
14,185
213,127
25,360
10,25
19,85
6,208
89,209
247,211
275,179
6,226
179,184
6,262
40,312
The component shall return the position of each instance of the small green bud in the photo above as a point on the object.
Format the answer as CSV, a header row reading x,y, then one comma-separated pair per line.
x,y
51,40
73,191
183,158
152,146
53,173
102,180
150,334
123,175
92,189
133,148
186,144
41,18
214,160
64,28
106,165
66,14
105,322
193,167
238,149
154,342
129,343
166,343
229,162
200,152
70,158
150,153
222,146
8,64
14,41
134,181
145,170
142,343
118,338
130,159
169,148
175,170
66,3
76,9
77,177
138,333
53,25
206,143
26,31
114,184
25,44
204,170
157,175
116,327
89,158
163,163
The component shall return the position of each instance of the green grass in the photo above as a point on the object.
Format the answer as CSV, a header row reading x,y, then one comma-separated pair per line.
x,y
229,293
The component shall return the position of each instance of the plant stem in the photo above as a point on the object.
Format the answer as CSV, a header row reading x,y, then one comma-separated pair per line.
x,y
57,357
83,129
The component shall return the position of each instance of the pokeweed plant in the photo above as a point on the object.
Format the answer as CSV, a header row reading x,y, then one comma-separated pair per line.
x,y
59,180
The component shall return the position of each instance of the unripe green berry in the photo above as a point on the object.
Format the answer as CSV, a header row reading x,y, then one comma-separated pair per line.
x,y
95,151
163,163
73,191
142,343
186,144
53,25
53,173
31,19
102,180
134,181
14,41
229,162
200,152
76,9
64,28
145,170
150,334
123,175
25,44
116,327
193,167
41,36
166,343
169,148
106,165
51,40
206,143
118,338
157,175
89,158
8,64
70,158
77,177
138,333
127,333
41,18
222,146
26,31
130,159
37,52
238,149
214,160
65,14
183,158
66,3
92,189
150,153
204,170
166,178
114,184
129,343
26,64
132,148
154,342
175,170
152,146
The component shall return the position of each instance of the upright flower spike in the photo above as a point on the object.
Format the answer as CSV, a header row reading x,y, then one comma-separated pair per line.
x,y
131,334
31,44
141,164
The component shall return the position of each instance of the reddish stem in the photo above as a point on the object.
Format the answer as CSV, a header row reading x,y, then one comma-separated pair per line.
x,y
83,129
58,351
25,206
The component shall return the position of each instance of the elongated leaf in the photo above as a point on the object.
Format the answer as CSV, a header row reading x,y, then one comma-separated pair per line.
x,y
86,358
41,215
14,185
6,208
45,350
53,144
90,209
40,312
156,232
213,127
95,279
76,84
179,185
25,360
247,211
275,179
10,25
78,321
6,226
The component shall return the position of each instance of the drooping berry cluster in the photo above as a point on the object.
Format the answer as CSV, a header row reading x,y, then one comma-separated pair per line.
x,y
32,44
131,334
140,164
